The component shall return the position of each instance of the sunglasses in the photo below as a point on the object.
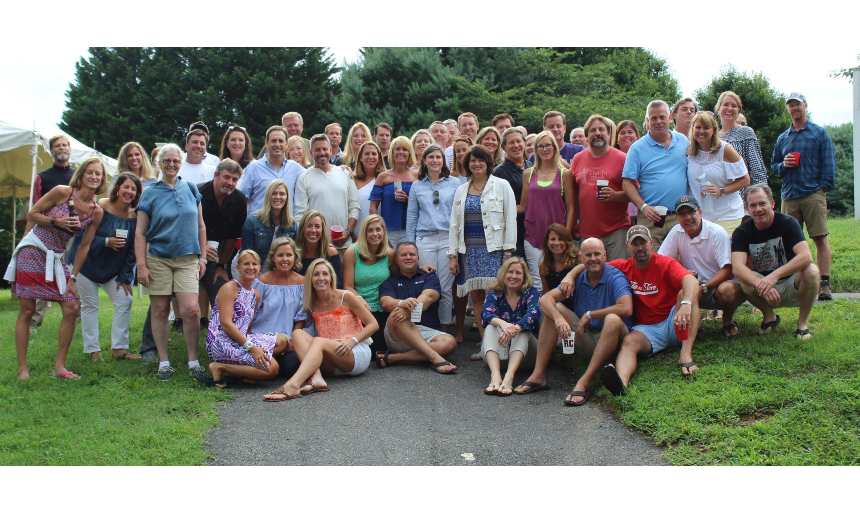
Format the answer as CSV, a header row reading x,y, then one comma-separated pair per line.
x,y
435,197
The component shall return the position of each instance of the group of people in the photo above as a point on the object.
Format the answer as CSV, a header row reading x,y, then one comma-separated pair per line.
x,y
316,260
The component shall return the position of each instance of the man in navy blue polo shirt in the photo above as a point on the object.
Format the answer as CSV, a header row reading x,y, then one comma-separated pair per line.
x,y
600,311
401,295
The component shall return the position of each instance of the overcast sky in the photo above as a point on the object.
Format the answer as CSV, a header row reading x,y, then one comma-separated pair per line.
x,y
34,80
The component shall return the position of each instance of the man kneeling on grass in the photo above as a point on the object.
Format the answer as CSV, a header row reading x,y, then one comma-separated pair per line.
x,y
705,248
665,306
601,310
782,274
402,294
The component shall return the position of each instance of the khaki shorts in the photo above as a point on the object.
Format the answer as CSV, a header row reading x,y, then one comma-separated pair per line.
x,y
584,345
657,234
789,298
811,210
616,245
729,225
397,346
172,275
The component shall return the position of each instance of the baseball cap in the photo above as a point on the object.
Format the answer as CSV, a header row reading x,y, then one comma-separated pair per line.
x,y
640,231
687,201
796,96
199,125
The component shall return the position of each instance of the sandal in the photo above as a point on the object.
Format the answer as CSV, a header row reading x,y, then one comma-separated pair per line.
x,y
382,359
505,387
96,357
763,328
612,381
280,391
435,367
733,327
125,354
688,366
492,389
803,334
584,394
67,375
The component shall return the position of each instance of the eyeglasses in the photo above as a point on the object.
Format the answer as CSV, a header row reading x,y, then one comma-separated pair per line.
x,y
173,161
435,197
686,214
544,146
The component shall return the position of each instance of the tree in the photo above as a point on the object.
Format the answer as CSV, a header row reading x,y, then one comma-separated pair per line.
x,y
763,106
152,95
840,200
844,72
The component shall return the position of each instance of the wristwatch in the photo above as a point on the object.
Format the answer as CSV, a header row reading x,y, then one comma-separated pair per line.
x,y
686,302
355,340
704,288
351,232
248,346
203,261
73,277
722,191
588,314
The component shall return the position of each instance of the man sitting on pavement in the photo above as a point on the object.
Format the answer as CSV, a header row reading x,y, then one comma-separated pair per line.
x,y
665,301
400,295
601,310
782,274
706,249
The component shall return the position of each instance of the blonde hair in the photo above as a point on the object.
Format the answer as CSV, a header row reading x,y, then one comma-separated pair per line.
x,y
403,142
348,157
78,176
265,213
309,294
277,244
360,171
412,141
306,161
248,252
498,154
363,249
556,159
733,95
146,171
708,119
324,236
528,282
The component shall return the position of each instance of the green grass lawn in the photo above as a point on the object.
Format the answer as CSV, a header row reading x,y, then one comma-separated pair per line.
x,y
845,244
116,414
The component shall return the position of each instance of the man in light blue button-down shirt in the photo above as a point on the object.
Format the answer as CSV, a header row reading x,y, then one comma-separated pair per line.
x,y
275,165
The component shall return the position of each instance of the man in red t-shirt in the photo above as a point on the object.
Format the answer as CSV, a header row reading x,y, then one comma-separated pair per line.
x,y
665,297
602,212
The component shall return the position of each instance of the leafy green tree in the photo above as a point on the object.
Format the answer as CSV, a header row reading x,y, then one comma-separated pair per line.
x,y
840,200
152,95
763,106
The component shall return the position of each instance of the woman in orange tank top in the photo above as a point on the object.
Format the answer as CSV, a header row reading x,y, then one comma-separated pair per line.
x,y
342,346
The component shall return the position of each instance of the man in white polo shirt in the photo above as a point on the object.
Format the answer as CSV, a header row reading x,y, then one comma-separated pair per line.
x,y
706,249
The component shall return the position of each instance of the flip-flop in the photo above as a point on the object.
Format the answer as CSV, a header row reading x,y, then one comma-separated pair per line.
x,y
689,365
435,367
533,387
727,330
800,333
67,375
763,328
492,389
126,355
382,359
280,391
209,381
612,381
505,387
572,394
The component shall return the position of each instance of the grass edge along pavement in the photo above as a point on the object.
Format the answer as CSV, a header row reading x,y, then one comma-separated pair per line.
x,y
116,414
756,400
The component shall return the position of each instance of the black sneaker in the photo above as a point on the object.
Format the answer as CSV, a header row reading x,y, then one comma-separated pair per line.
x,y
164,373
177,326
204,323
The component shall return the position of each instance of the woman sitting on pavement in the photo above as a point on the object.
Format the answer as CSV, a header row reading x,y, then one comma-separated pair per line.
x,y
233,349
344,326
103,256
510,314
559,257
272,221
280,292
313,242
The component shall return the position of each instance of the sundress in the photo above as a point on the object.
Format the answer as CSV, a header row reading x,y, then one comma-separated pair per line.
x,y
478,267
222,348
30,268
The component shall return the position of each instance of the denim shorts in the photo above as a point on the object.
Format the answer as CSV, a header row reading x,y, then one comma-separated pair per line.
x,y
662,335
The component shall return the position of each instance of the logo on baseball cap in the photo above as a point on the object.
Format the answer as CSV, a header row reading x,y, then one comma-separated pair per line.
x,y
640,231
687,201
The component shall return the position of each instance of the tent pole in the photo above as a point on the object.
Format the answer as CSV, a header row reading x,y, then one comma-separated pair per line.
x,y
35,158
14,217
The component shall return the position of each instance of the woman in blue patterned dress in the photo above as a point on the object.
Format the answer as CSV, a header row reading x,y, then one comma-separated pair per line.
x,y
511,313
483,228
229,343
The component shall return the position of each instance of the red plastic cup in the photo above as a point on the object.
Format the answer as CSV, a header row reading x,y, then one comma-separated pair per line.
x,y
336,232
796,158
682,334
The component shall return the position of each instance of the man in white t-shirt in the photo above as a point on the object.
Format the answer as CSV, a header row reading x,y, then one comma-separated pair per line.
x,y
210,158
194,168
706,249
467,125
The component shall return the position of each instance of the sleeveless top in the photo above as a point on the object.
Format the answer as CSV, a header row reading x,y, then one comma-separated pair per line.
x,y
338,323
368,279
57,238
545,206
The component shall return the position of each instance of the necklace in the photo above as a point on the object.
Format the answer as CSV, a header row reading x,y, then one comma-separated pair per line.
x,y
480,190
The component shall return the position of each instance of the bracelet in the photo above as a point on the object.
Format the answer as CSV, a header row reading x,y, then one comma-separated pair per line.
x,y
686,302
588,314
642,207
202,260
355,340
107,241
399,303
52,222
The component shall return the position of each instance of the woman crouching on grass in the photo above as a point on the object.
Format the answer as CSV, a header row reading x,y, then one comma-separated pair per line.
x,y
343,344
230,346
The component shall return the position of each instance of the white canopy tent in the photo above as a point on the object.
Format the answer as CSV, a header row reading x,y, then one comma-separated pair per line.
x,y
24,152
